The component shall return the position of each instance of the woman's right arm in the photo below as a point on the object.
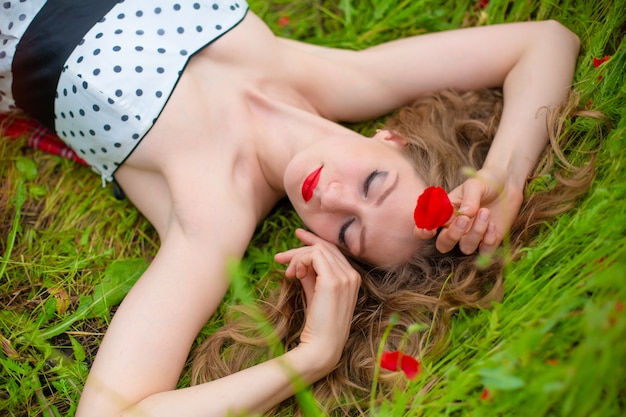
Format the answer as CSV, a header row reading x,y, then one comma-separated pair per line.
x,y
140,360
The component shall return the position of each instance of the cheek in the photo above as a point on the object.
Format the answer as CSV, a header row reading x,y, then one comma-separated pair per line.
x,y
324,226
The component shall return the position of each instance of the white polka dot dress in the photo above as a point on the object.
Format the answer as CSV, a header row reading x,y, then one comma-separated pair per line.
x,y
15,16
116,81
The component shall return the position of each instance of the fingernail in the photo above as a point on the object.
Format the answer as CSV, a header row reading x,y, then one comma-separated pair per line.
x,y
461,222
483,216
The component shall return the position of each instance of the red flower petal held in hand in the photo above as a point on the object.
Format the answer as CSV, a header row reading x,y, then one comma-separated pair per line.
x,y
408,364
433,209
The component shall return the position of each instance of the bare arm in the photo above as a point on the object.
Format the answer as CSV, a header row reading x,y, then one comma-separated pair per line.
x,y
532,61
145,348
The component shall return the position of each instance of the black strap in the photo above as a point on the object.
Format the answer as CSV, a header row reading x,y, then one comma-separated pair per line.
x,y
47,43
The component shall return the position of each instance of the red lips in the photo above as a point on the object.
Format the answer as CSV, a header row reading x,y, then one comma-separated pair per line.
x,y
309,184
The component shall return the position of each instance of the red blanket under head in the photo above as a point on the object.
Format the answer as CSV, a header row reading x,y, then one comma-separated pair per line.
x,y
37,136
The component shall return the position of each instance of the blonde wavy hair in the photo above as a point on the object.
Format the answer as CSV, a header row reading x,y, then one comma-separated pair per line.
x,y
446,132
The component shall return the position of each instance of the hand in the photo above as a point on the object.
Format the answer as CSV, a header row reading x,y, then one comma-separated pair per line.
x,y
331,287
487,205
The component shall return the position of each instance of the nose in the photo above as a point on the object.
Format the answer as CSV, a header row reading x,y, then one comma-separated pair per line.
x,y
337,197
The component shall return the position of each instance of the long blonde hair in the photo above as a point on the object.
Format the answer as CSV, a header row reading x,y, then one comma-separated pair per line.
x,y
445,132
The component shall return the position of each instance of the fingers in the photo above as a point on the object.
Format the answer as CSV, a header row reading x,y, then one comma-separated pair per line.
x,y
474,234
491,240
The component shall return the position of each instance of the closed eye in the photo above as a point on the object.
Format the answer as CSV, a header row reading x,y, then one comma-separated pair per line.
x,y
368,181
342,232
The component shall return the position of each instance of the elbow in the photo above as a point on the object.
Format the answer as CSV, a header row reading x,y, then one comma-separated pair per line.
x,y
561,36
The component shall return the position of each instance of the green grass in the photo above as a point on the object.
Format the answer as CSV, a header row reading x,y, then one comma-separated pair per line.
x,y
555,346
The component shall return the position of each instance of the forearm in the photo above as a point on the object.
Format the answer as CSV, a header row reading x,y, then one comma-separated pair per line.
x,y
540,79
251,391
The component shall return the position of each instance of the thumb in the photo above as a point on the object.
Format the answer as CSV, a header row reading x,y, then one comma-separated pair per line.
x,y
470,197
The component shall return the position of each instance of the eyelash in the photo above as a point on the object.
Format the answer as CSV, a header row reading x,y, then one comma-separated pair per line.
x,y
366,186
368,181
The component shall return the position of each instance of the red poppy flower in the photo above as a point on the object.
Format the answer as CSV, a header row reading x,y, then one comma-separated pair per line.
x,y
408,364
485,395
483,3
599,61
283,21
433,209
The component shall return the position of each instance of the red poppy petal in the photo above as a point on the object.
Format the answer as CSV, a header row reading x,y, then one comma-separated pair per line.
x,y
283,21
485,395
433,209
389,360
410,366
599,61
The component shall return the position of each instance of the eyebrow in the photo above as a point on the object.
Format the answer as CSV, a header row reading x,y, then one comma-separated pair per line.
x,y
378,202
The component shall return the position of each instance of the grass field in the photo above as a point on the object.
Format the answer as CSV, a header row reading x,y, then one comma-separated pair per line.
x,y
555,346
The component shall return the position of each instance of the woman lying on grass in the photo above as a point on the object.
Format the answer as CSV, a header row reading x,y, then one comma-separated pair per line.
x,y
205,140
450,127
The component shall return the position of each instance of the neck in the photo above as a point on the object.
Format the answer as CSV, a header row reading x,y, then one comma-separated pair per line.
x,y
284,130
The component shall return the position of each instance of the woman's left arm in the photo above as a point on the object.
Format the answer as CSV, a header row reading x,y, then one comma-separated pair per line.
x,y
532,61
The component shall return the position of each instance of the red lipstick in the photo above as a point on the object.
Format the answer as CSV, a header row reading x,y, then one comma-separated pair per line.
x,y
309,184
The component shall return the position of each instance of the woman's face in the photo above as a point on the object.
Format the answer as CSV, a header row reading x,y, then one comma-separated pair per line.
x,y
359,194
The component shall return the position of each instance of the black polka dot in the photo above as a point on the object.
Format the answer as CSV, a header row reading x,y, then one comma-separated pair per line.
x,y
159,94
121,16
215,6
80,59
177,7
161,50
107,127
198,29
92,132
157,10
96,51
139,13
139,68
196,6
124,118
117,145
98,35
103,149
117,68
218,27
81,112
96,71
135,136
161,32
95,107
183,52
138,48
139,32
160,70
118,93
139,92
180,29
117,48
118,31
